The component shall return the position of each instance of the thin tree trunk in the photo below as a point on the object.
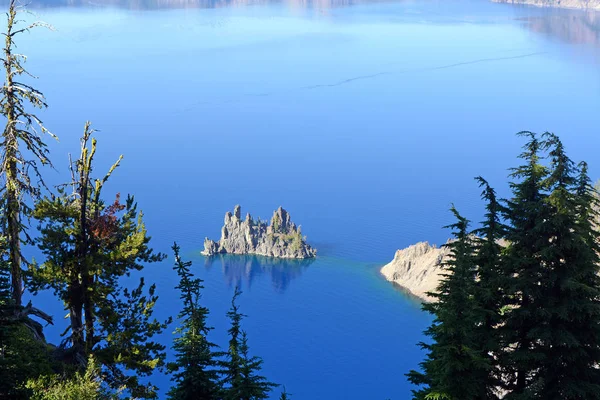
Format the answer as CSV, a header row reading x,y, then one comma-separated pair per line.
x,y
14,243
13,207
16,98
82,249
89,314
82,259
76,314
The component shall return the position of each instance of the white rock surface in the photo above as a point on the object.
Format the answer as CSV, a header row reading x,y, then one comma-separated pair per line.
x,y
417,268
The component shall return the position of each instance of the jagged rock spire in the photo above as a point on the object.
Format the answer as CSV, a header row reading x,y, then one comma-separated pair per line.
x,y
281,238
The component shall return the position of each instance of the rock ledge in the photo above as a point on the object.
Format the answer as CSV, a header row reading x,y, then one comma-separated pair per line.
x,y
417,268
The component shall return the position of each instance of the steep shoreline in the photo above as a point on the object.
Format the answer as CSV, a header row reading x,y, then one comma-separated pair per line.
x,y
593,5
417,268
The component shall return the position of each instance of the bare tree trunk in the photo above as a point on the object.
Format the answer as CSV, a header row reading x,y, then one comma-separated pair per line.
x,y
14,244
82,245
16,169
13,206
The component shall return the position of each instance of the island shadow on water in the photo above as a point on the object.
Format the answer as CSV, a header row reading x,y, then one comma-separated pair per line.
x,y
240,270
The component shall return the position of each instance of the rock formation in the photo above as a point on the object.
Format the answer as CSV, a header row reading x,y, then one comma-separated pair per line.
x,y
417,268
280,238
575,4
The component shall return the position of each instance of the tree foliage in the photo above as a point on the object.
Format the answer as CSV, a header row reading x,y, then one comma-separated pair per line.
x,y
242,380
90,246
285,395
195,371
522,320
455,349
22,149
82,386
553,326
23,353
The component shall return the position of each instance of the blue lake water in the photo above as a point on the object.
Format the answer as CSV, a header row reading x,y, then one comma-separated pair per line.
x,y
365,120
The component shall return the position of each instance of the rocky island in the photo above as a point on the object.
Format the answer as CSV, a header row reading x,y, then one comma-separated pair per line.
x,y
417,268
280,238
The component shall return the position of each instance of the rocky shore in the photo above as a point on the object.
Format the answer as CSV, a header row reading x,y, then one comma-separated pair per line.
x,y
417,268
574,4
280,238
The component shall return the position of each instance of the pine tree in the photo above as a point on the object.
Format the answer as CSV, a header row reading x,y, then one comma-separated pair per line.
x,y
20,141
567,340
526,213
454,351
242,381
489,296
233,364
285,395
89,246
551,326
195,370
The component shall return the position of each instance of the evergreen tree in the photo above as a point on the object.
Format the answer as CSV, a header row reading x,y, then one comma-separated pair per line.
x,y
22,152
242,380
526,212
22,149
454,352
89,246
195,370
565,349
285,395
489,296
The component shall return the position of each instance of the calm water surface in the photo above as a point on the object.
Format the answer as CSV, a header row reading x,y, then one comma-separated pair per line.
x,y
366,120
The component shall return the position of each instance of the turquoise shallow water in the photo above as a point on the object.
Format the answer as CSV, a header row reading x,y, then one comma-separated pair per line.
x,y
365,120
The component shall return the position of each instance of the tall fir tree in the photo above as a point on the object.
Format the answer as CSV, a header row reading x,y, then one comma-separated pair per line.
x,y
22,149
453,352
489,295
566,345
89,247
526,212
242,380
285,395
195,371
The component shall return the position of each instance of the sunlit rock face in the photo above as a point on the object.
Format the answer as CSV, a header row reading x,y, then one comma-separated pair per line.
x,y
417,268
280,238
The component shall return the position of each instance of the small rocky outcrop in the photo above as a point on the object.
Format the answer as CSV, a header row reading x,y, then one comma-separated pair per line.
x,y
280,238
417,268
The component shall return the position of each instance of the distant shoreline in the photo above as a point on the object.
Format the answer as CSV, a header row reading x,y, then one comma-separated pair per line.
x,y
590,5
